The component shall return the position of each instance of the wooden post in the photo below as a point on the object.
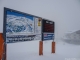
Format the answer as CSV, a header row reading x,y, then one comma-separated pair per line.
x,y
53,47
1,46
40,47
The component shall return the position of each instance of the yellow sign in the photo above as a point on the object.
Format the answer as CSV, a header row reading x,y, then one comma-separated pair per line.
x,y
39,22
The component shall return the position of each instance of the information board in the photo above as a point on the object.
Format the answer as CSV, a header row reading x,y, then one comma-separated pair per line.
x,y
19,26
47,30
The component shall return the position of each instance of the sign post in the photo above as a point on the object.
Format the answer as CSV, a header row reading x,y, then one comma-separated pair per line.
x,y
40,47
2,48
48,32
53,47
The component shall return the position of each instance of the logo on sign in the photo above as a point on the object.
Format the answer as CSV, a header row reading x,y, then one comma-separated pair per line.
x,y
45,35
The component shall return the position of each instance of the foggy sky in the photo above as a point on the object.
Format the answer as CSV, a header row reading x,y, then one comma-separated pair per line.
x,y
65,13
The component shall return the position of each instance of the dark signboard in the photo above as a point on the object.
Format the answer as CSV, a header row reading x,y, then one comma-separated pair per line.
x,y
47,30
48,26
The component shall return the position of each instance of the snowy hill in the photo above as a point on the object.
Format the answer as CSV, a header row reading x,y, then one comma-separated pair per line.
x,y
72,38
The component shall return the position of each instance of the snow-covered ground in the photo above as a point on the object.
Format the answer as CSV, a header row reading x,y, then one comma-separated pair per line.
x,y
29,50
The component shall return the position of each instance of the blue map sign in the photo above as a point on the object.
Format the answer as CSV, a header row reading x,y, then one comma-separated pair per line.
x,y
19,26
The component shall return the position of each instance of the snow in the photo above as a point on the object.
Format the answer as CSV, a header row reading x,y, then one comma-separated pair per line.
x,y
29,50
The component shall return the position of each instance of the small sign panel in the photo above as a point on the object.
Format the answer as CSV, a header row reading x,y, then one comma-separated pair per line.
x,y
48,36
19,38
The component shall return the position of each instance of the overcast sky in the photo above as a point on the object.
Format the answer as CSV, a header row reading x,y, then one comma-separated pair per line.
x,y
65,13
